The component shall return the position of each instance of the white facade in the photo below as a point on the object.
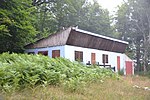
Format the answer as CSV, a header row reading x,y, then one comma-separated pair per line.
x,y
68,52
49,49
112,56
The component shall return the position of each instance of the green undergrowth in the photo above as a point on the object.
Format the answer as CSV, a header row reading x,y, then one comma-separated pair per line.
x,y
146,74
19,71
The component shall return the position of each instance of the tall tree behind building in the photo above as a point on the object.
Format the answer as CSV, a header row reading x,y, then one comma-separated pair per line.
x,y
66,13
133,22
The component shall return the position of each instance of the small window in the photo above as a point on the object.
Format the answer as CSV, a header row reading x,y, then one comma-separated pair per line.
x,y
79,56
55,53
105,58
45,53
30,52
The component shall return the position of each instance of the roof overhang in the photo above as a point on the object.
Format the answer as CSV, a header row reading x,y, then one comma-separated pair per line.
x,y
97,35
77,37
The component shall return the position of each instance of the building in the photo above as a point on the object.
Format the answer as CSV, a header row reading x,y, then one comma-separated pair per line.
x,y
79,45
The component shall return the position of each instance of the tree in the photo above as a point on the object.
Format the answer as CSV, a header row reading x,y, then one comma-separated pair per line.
x,y
16,27
22,20
134,24
46,22
66,13
95,19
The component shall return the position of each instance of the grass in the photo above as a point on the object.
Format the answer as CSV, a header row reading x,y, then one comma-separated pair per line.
x,y
108,90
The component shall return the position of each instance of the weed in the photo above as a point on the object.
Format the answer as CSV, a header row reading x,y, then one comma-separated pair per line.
x,y
19,71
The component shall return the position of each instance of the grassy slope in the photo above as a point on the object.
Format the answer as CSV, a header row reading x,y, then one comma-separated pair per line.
x,y
109,90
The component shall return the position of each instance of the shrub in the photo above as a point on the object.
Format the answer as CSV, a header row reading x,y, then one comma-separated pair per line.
x,y
147,74
18,71
121,72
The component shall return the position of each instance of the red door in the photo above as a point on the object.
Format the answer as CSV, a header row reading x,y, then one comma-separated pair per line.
x,y
93,58
128,68
118,63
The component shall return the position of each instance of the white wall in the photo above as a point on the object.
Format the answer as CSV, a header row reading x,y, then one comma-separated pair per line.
x,y
49,49
69,53
112,56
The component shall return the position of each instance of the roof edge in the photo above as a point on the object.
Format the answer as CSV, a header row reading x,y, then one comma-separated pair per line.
x,y
69,29
97,35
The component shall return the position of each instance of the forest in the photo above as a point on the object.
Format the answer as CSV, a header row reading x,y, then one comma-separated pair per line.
x,y
25,21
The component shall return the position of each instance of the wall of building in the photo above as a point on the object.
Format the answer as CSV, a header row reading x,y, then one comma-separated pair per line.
x,y
49,49
112,56
69,53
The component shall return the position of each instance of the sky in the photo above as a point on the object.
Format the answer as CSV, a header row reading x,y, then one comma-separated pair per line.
x,y
110,4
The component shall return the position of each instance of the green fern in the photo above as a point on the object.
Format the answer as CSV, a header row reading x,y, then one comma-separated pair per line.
x,y
18,71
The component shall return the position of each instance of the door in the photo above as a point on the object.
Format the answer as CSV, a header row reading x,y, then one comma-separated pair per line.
x,y
118,63
93,58
129,68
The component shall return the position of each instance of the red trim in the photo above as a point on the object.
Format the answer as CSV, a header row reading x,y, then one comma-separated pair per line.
x,y
93,58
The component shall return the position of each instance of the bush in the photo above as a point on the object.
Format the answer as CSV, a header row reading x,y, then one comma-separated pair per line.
x,y
18,71
147,74
121,72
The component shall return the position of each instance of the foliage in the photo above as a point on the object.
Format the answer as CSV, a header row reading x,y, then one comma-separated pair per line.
x,y
54,15
133,22
121,72
146,74
24,21
18,71
46,22
16,24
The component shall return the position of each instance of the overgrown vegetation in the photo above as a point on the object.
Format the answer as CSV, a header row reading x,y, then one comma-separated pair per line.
x,y
18,71
121,72
146,74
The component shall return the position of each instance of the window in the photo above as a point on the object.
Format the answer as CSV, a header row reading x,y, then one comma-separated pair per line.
x,y
30,52
79,56
45,53
55,53
105,58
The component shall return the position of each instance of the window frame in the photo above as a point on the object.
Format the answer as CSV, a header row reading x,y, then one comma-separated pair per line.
x,y
104,58
55,53
78,56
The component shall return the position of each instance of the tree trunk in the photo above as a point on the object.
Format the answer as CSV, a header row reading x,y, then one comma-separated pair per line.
x,y
145,53
138,56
